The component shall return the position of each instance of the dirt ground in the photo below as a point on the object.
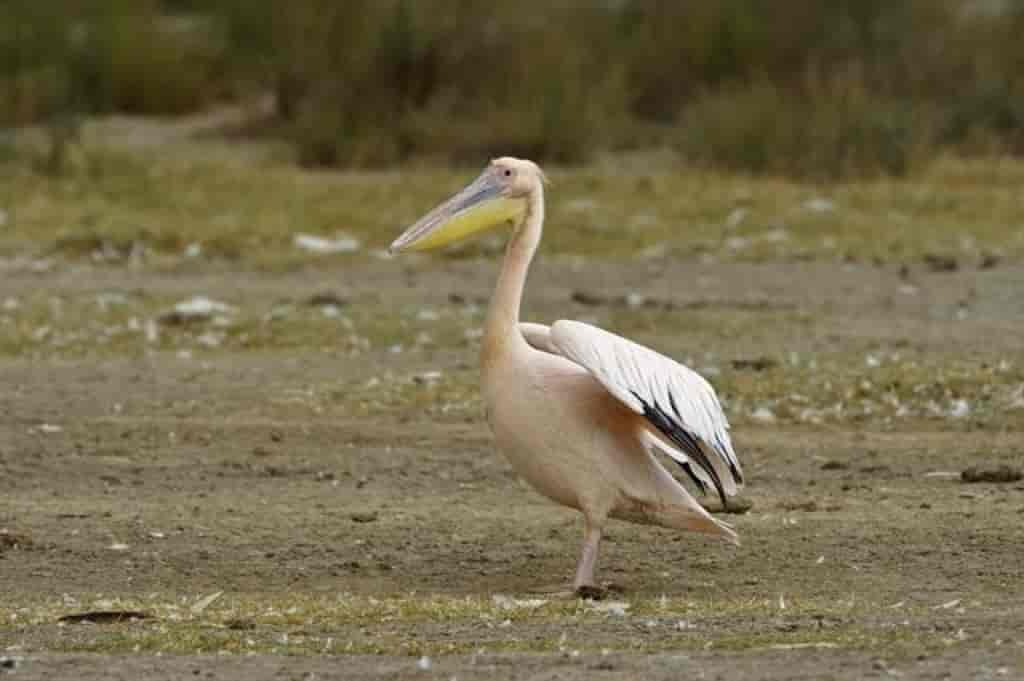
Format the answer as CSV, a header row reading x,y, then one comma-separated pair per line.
x,y
149,479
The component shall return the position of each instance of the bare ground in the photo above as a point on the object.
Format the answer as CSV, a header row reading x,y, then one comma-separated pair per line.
x,y
152,477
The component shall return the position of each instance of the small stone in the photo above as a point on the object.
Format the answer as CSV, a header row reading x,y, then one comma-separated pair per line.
x,y
819,205
616,609
959,409
988,261
588,298
941,263
635,300
197,308
427,315
364,517
11,540
754,364
317,244
736,218
326,298
998,474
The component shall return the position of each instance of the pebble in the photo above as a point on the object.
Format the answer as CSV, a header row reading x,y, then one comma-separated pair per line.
x,y
1003,473
317,244
819,205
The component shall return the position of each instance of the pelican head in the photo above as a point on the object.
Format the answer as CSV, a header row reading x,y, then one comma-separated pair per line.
x,y
500,195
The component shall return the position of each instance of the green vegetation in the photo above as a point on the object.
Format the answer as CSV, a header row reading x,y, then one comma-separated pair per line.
x,y
808,89
247,209
300,624
75,58
831,130
890,386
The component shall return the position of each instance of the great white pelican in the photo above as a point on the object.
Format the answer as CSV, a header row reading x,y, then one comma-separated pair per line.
x,y
581,412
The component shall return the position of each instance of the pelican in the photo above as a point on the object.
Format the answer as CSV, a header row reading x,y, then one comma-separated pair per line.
x,y
579,412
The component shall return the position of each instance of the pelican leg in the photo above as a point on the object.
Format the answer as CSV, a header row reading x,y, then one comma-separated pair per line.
x,y
584,582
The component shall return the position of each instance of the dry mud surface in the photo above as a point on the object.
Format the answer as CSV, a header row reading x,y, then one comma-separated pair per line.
x,y
145,478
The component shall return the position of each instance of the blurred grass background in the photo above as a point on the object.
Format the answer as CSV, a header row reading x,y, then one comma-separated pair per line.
x,y
818,89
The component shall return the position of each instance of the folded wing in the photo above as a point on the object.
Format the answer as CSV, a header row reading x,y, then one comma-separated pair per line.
x,y
676,400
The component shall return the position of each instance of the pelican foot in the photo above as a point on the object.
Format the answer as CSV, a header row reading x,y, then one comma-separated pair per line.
x,y
599,593
591,592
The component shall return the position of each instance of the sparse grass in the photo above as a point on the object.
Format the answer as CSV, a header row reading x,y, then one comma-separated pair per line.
x,y
911,391
300,624
888,387
127,323
248,211
906,387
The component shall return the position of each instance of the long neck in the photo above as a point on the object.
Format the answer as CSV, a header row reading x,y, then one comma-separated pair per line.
x,y
503,315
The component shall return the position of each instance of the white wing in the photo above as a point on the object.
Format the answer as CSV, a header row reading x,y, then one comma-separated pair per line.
x,y
675,399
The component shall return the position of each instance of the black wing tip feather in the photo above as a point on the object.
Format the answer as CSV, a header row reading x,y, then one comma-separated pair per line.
x,y
688,443
701,487
737,474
